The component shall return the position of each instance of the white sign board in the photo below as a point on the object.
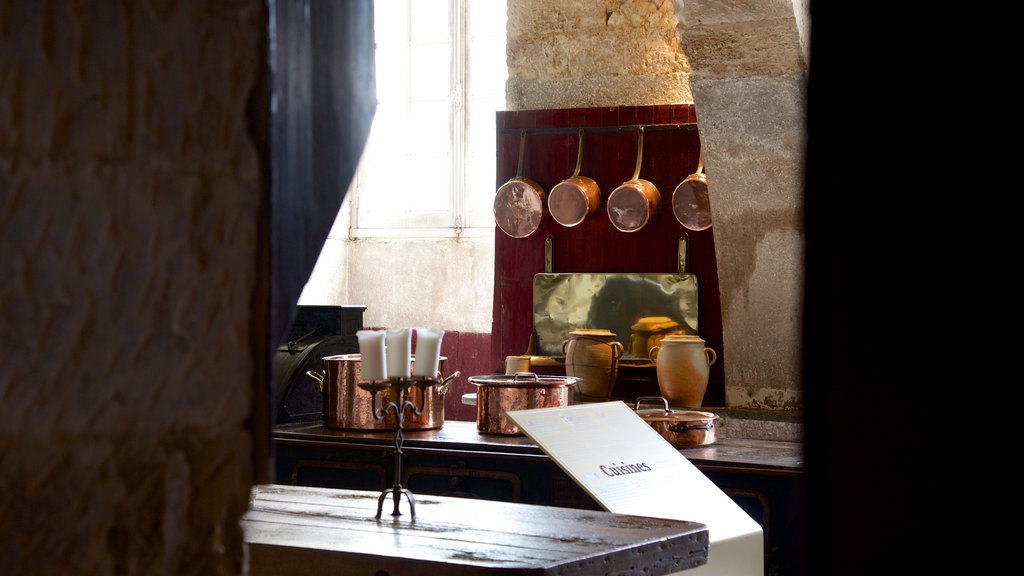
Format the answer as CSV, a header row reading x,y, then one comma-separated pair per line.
x,y
627,467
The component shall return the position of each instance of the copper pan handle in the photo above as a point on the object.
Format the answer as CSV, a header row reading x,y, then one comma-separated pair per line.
x,y
639,154
579,156
522,150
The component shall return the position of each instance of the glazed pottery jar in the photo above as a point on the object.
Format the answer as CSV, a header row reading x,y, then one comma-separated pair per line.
x,y
683,363
592,355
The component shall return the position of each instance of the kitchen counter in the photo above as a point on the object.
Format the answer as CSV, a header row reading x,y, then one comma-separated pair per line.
x,y
755,456
763,476
302,531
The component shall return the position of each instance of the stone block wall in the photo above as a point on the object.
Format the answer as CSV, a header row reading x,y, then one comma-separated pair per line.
x,y
131,194
749,86
594,53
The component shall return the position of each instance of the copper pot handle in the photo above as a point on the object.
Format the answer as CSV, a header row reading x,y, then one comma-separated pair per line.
x,y
318,376
515,377
442,388
661,399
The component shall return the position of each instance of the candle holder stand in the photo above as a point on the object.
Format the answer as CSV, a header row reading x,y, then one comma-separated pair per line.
x,y
400,386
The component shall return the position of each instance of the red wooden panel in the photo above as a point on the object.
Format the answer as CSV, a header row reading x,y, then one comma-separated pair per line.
x,y
671,147
469,354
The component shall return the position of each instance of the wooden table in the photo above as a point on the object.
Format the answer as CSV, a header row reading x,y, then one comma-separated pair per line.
x,y
308,531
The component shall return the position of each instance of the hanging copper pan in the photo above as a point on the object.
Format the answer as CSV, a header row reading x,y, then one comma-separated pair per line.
x,y
576,197
690,201
519,203
636,202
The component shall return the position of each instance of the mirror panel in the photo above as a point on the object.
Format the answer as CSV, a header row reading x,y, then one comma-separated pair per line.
x,y
639,308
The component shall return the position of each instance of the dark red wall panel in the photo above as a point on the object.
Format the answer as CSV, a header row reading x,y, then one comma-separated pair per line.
x,y
671,148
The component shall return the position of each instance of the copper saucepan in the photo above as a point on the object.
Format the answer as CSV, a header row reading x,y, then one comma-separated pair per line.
x,y
519,203
682,429
690,202
576,197
349,407
636,202
499,393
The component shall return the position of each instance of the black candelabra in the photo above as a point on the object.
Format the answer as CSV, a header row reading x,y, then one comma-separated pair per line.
x,y
399,406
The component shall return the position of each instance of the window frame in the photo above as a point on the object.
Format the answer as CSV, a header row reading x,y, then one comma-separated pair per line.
x,y
459,205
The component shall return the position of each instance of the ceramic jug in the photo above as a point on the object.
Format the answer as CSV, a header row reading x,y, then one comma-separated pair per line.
x,y
592,355
682,363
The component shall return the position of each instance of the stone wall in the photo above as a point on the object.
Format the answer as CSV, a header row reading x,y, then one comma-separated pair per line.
x,y
130,206
748,79
594,53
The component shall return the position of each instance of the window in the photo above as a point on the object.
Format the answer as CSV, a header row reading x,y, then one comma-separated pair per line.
x,y
429,164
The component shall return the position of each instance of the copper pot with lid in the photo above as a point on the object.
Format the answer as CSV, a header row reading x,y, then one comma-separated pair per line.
x,y
349,407
682,428
519,203
499,393
636,202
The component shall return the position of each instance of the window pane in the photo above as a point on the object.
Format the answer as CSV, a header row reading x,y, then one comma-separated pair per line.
x,y
429,128
406,179
486,59
428,70
487,72
429,20
427,187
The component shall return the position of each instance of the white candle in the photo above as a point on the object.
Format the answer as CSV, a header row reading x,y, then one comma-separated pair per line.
x,y
372,364
428,352
399,344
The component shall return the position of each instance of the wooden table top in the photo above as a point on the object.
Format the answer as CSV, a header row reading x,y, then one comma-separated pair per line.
x,y
309,531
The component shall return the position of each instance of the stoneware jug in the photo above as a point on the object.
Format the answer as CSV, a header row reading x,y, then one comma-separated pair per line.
x,y
683,363
592,355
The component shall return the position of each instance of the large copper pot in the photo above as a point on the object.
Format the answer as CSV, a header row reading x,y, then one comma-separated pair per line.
x,y
349,407
499,393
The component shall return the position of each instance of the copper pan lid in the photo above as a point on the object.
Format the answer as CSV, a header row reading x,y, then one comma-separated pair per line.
x,y
522,380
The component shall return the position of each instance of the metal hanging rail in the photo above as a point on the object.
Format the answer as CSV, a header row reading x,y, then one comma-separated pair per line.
x,y
593,129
